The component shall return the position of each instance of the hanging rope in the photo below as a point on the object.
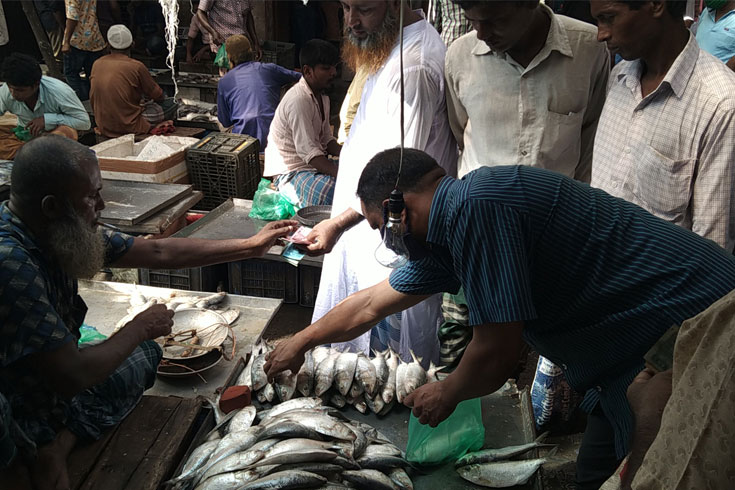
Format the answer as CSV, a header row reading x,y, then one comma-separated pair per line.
x,y
400,42
170,9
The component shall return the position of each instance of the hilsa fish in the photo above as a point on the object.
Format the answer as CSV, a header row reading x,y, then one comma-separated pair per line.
x,y
502,474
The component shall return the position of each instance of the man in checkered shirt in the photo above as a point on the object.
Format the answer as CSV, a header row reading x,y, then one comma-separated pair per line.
x,y
52,393
666,136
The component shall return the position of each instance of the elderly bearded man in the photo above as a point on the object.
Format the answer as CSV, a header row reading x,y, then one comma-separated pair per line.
x,y
371,32
52,393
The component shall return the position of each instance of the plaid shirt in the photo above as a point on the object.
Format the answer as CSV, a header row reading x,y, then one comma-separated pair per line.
x,y
448,19
672,152
40,310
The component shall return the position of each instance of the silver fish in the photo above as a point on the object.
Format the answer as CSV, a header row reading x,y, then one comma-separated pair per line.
x,y
361,441
288,429
381,462
230,444
285,385
344,371
285,480
369,479
259,378
381,368
355,390
374,404
366,375
324,469
401,479
409,377
383,450
242,419
196,460
293,404
337,400
300,444
324,374
300,456
211,300
431,373
320,422
389,388
361,406
245,378
501,474
305,376
227,481
234,462
230,315
261,397
498,454
320,353
269,392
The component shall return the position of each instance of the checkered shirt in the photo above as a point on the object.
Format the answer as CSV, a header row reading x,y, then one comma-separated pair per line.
x,y
40,310
673,152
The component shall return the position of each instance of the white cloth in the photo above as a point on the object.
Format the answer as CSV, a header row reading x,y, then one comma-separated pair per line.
x,y
299,132
544,115
673,152
351,266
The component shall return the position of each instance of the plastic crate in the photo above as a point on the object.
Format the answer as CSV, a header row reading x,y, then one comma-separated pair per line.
x,y
283,54
224,165
197,279
309,277
264,279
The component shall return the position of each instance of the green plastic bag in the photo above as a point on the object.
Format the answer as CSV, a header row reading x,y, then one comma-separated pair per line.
x,y
269,204
90,334
22,133
221,58
462,432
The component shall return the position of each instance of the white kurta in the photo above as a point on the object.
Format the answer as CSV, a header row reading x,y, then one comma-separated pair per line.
x,y
351,266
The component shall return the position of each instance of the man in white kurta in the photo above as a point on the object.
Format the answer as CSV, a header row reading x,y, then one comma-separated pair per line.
x,y
351,266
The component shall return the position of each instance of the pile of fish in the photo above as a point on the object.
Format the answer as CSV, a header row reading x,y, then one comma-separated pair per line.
x,y
340,378
298,444
493,467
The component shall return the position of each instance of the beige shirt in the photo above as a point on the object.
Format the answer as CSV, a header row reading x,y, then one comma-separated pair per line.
x,y
673,152
544,115
299,132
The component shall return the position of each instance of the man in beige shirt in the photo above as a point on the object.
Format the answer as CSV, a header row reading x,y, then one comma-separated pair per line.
x,y
525,87
300,139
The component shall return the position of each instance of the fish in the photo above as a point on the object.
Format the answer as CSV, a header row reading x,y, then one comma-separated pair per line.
x,y
382,450
431,373
337,400
242,419
285,385
136,297
498,454
320,422
324,469
196,460
320,353
355,390
501,474
361,406
366,375
300,444
288,429
227,481
211,300
409,376
246,378
360,443
285,480
401,479
234,462
293,404
344,371
369,479
269,392
324,374
374,404
305,376
232,443
381,368
259,378
389,388
381,462
300,456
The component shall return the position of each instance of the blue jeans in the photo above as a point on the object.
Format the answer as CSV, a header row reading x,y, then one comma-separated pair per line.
x,y
75,61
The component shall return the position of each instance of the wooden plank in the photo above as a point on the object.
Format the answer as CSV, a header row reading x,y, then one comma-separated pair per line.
x,y
130,443
82,460
168,449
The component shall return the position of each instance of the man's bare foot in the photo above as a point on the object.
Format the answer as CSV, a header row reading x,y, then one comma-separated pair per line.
x,y
50,471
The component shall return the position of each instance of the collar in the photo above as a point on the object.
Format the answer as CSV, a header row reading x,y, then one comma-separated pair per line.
x,y
712,13
10,223
437,232
677,77
305,86
556,40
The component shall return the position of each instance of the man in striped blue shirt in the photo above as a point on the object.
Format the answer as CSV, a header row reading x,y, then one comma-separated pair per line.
x,y
590,281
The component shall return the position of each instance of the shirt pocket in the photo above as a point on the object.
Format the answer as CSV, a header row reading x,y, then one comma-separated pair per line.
x,y
560,141
662,183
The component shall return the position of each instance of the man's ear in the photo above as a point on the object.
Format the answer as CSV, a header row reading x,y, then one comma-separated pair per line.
x,y
51,207
658,9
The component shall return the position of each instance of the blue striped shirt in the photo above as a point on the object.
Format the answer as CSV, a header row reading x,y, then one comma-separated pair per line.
x,y
597,280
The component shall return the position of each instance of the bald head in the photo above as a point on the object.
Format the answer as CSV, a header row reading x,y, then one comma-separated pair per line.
x,y
47,166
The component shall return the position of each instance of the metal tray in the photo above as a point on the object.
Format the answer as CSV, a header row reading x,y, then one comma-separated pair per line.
x,y
129,203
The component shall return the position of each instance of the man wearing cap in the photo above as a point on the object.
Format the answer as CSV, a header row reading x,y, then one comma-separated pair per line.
x,y
118,85
247,96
